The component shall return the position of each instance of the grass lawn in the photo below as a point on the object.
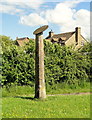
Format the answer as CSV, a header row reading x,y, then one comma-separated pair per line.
x,y
27,90
64,106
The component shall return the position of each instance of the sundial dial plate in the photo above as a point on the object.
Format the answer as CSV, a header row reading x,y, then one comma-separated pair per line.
x,y
40,30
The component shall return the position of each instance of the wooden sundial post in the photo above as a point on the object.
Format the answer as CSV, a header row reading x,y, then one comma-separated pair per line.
x,y
40,91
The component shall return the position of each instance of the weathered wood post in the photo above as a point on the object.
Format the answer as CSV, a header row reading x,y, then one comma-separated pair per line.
x,y
40,91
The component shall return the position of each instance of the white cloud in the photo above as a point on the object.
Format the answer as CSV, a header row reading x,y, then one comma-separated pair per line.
x,y
82,18
33,20
9,9
68,18
16,6
60,15
63,14
73,3
24,3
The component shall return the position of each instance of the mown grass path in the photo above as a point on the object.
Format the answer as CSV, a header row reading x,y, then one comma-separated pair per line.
x,y
63,106
82,93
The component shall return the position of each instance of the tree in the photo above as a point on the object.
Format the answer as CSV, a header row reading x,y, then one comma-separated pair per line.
x,y
62,64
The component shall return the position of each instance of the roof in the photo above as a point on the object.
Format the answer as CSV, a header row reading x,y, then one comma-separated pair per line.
x,y
63,36
23,38
21,41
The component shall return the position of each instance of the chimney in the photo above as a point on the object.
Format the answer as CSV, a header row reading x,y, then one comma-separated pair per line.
x,y
77,34
51,33
16,38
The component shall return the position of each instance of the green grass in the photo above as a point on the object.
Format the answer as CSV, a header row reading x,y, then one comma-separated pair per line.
x,y
17,90
24,106
27,90
69,106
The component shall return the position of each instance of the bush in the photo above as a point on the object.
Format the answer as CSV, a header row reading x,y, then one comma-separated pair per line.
x,y
62,64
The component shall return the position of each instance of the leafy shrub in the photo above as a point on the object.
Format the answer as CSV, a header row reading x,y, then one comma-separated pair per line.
x,y
62,64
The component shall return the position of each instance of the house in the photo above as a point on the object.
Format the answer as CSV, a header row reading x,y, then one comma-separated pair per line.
x,y
21,41
74,39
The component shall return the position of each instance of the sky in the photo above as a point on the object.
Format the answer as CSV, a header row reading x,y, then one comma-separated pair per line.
x,y
19,18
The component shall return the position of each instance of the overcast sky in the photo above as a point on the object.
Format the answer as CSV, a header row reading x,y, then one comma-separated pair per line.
x,y
19,18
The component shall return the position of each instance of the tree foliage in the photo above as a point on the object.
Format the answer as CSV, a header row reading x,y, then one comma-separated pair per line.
x,y
62,64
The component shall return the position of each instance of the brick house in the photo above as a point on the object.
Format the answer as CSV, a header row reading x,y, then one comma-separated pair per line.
x,y
74,39
21,41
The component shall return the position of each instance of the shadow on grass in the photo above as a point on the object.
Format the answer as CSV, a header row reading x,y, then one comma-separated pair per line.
x,y
29,98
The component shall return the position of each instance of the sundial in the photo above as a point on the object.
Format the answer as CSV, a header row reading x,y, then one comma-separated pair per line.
x,y
40,91
40,30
